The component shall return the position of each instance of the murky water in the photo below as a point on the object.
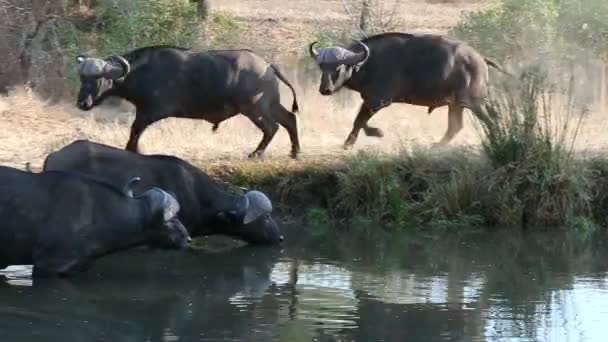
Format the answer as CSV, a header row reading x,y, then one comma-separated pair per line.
x,y
343,288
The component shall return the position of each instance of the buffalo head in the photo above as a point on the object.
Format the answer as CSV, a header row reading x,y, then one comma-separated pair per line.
x,y
97,76
337,65
251,219
165,229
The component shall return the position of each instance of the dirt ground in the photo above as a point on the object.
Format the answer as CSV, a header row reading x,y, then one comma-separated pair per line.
x,y
32,128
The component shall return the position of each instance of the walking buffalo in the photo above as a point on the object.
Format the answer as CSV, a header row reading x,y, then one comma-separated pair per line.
x,y
206,209
420,69
165,81
61,222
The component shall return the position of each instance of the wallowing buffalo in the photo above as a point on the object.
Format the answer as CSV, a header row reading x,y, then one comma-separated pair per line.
x,y
419,69
206,208
61,222
165,81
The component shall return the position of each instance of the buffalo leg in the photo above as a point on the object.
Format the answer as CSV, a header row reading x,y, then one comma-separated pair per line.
x,y
268,128
455,112
367,110
289,121
139,125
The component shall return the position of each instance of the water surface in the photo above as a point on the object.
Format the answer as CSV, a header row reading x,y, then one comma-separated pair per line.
x,y
491,287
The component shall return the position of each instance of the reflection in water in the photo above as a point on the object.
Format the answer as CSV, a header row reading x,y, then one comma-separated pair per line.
x,y
495,287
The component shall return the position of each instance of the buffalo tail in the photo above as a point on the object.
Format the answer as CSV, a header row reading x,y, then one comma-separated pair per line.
x,y
294,105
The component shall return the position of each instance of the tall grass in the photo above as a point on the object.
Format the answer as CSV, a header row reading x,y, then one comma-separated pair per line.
x,y
530,128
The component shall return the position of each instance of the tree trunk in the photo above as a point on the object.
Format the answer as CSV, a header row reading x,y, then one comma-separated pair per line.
x,y
203,9
365,16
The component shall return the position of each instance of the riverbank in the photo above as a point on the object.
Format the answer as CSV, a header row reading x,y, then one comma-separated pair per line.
x,y
453,188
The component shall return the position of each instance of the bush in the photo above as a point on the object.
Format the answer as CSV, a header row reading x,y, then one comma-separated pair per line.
x,y
136,23
536,30
512,30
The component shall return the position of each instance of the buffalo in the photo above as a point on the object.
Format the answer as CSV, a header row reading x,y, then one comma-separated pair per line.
x,y
167,81
206,208
60,222
419,69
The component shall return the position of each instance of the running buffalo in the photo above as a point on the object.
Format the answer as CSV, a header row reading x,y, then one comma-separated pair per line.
x,y
206,208
60,222
420,69
166,81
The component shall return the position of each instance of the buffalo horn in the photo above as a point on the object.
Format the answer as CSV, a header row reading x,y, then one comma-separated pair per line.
x,y
360,58
259,204
113,71
125,64
162,200
128,188
170,206
313,52
93,67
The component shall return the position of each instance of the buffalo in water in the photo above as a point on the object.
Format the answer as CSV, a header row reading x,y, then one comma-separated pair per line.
x,y
206,208
420,69
165,81
60,222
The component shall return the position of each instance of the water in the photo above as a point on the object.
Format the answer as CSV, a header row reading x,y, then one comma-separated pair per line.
x,y
496,287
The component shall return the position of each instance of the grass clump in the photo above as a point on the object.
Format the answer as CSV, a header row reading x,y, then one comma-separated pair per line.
x,y
529,131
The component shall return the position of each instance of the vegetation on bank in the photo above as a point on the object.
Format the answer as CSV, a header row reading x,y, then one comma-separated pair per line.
x,y
525,174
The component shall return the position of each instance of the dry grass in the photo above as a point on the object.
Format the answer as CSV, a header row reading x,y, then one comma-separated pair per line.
x,y
31,128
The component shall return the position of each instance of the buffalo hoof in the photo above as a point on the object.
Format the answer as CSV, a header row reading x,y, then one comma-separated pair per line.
x,y
373,132
438,145
294,155
350,141
255,154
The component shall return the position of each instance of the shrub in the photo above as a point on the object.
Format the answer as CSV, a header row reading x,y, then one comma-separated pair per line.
x,y
529,134
135,23
537,29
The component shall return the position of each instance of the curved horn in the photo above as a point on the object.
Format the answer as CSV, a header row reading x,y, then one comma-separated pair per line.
x,y
367,52
113,71
128,188
359,58
162,200
93,67
125,64
313,52
259,204
170,206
